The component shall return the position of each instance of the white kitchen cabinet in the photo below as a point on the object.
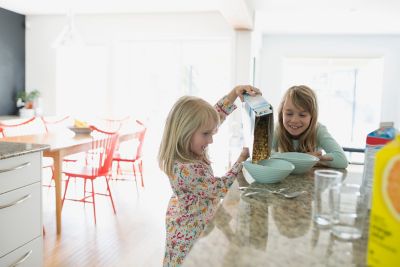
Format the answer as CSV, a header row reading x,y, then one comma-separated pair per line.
x,y
21,240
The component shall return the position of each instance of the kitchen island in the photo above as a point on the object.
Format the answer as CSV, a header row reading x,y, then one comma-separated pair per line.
x,y
269,230
21,229
9,150
60,144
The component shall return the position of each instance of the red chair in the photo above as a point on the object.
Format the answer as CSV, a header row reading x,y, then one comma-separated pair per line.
x,y
113,124
27,127
97,164
22,127
56,124
132,155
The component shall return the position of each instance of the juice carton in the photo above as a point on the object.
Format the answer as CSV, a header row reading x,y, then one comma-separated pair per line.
x,y
374,142
384,230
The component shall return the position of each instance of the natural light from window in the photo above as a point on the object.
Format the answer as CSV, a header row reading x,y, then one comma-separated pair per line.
x,y
349,93
142,79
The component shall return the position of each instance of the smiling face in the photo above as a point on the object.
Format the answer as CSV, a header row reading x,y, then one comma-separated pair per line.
x,y
295,119
201,138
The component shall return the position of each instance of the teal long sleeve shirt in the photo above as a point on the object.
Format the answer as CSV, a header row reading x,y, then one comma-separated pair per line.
x,y
326,142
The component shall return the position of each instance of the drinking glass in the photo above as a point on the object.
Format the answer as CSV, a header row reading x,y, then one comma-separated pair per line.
x,y
349,211
324,180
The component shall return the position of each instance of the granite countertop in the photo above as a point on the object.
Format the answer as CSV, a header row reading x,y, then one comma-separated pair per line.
x,y
8,150
269,230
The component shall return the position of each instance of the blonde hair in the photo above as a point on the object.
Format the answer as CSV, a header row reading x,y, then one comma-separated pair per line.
x,y
187,115
302,97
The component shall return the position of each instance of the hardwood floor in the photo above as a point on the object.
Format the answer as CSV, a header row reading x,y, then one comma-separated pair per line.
x,y
135,236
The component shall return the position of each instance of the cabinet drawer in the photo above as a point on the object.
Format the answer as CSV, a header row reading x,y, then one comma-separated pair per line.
x,y
19,171
20,222
29,255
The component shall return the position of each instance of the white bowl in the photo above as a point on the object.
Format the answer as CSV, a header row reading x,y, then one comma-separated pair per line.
x,y
81,130
302,162
268,170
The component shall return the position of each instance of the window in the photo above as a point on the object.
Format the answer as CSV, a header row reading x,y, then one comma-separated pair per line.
x,y
142,79
348,90
157,72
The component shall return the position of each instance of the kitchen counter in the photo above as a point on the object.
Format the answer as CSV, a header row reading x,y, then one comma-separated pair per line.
x,y
21,233
269,230
8,150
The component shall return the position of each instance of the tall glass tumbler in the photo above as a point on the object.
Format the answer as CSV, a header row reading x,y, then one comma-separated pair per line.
x,y
324,180
349,211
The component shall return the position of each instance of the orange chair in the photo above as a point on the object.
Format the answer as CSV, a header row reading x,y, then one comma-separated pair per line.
x,y
27,127
98,163
133,155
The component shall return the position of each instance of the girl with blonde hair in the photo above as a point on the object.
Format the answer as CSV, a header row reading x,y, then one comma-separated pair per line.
x,y
188,131
298,129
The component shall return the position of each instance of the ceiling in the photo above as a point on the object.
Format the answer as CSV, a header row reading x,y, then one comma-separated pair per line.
x,y
47,7
267,16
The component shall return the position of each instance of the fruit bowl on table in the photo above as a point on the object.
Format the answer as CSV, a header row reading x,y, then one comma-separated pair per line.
x,y
80,130
268,171
302,162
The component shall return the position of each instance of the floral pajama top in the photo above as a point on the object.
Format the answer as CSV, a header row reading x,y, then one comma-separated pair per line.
x,y
196,194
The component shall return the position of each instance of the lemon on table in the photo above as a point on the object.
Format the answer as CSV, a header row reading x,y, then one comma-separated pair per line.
x,y
80,124
391,186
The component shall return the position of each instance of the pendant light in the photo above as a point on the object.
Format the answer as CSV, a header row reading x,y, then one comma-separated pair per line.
x,y
69,36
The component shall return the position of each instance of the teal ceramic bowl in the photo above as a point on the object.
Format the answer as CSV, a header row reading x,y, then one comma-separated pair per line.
x,y
302,162
268,171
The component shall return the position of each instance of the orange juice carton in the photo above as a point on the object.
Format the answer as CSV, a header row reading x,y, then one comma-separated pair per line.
x,y
384,229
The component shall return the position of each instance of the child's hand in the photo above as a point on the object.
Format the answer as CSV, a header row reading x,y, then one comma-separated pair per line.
x,y
240,89
244,154
323,160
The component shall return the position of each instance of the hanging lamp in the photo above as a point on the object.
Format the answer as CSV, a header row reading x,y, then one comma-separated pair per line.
x,y
69,36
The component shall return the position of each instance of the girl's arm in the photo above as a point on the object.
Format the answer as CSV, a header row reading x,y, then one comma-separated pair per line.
x,y
199,180
332,148
226,106
239,90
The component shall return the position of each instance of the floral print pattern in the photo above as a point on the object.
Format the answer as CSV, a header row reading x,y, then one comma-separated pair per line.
x,y
196,194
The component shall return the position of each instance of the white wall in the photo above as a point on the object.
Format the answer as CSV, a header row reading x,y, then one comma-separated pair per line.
x,y
105,30
276,47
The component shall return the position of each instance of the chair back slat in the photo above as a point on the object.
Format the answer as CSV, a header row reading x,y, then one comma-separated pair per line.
x,y
19,127
102,150
140,145
56,123
111,124
132,150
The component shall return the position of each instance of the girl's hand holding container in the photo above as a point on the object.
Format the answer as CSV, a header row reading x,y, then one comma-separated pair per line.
x,y
239,90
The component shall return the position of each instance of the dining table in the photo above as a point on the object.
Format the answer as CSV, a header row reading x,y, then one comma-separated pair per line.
x,y
62,144
267,229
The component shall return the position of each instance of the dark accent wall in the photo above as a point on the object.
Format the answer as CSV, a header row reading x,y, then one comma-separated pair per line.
x,y
12,59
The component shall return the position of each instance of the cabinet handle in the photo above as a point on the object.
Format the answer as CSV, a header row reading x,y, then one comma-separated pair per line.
x,y
24,258
23,165
22,199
